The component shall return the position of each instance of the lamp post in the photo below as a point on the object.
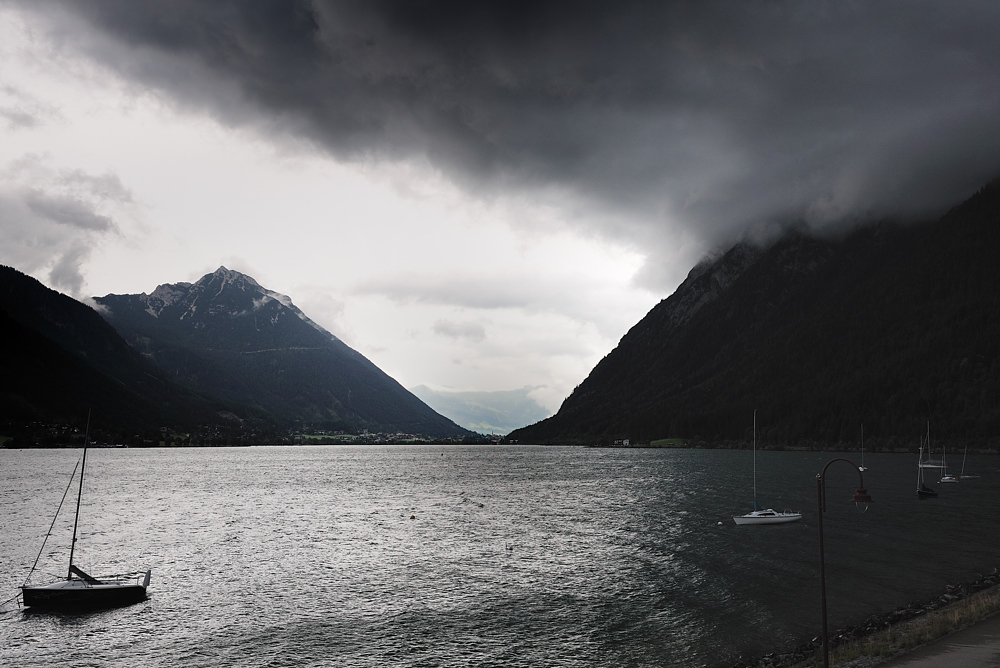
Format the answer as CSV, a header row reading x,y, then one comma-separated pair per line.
x,y
861,496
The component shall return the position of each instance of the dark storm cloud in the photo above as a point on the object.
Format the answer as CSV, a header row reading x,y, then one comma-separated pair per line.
x,y
705,116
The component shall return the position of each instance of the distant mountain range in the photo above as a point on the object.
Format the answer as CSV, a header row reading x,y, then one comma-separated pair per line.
x,y
892,326
496,412
227,336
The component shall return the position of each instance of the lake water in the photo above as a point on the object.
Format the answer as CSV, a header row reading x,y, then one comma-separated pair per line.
x,y
514,556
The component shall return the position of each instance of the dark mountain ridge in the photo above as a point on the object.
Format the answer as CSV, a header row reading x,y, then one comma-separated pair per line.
x,y
228,336
62,359
891,326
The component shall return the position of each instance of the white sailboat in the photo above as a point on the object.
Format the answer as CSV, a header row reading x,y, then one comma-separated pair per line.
x,y
78,590
945,476
763,515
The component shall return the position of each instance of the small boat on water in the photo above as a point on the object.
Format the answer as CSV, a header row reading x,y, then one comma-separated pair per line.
x,y
87,593
763,515
79,591
945,476
768,516
929,463
923,491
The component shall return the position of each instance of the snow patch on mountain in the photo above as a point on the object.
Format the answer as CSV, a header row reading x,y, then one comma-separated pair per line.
x,y
163,296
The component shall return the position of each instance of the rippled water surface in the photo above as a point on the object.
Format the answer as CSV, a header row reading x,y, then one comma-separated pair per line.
x,y
514,556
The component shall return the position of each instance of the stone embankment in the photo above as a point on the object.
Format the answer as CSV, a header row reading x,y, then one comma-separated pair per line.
x,y
874,624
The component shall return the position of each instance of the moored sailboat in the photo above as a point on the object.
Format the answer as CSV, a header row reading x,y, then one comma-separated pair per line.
x,y
78,590
965,456
945,476
923,491
763,515
928,463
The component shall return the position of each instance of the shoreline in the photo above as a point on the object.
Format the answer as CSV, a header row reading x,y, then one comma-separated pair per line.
x,y
887,636
816,446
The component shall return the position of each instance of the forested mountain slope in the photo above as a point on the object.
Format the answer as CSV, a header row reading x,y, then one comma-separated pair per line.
x,y
891,326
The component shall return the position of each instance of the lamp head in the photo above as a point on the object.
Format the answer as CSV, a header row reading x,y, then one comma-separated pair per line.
x,y
861,499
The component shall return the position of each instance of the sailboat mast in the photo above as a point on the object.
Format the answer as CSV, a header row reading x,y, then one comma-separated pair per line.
x,y
79,495
755,460
920,470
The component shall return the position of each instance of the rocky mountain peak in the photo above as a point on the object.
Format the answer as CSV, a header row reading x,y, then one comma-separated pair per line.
x,y
252,316
223,278
228,336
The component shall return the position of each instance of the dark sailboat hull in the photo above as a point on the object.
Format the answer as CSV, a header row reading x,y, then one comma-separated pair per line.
x,y
76,596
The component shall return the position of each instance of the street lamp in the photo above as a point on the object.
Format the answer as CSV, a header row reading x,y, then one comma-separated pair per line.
x,y
860,497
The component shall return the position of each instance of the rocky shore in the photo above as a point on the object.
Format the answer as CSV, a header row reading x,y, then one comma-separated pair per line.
x,y
803,653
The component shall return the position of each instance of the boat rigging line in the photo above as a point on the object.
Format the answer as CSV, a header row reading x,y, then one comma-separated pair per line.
x,y
49,533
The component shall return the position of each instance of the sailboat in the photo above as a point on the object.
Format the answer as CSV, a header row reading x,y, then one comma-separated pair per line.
x,y
862,467
78,590
923,491
962,475
929,463
761,515
945,476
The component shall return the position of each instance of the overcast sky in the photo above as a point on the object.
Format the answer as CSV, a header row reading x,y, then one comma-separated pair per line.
x,y
476,195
